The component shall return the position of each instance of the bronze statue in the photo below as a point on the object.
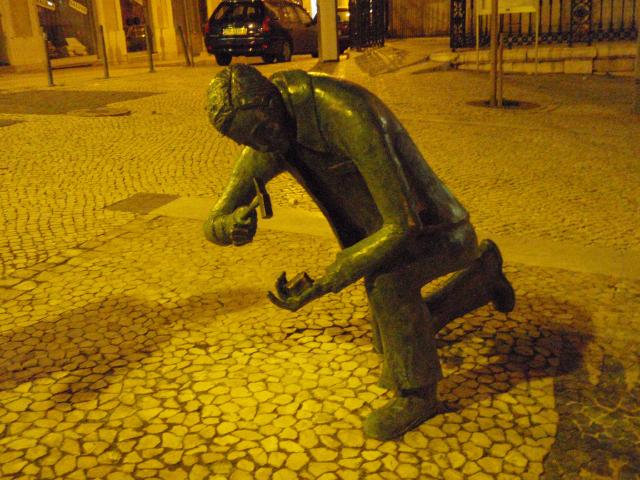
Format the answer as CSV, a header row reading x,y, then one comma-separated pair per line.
x,y
398,225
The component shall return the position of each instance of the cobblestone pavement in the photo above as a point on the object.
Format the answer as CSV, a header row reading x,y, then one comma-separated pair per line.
x,y
132,348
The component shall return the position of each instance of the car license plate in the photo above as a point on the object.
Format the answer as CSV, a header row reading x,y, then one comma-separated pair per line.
x,y
234,31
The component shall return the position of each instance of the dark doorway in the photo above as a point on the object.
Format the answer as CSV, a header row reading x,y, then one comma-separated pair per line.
x,y
134,22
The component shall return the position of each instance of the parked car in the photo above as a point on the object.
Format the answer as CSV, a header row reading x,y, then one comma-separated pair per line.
x,y
271,29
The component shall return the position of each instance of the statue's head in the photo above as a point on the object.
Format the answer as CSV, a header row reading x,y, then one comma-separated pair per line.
x,y
246,107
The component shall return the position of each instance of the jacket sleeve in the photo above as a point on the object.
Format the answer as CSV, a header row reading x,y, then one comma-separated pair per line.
x,y
360,135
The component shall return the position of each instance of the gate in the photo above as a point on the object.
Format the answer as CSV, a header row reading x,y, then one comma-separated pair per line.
x,y
418,18
569,21
367,23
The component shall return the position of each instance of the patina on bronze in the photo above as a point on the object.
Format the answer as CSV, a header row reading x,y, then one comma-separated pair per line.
x,y
398,225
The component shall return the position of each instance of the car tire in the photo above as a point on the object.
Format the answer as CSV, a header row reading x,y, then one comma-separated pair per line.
x,y
269,58
285,52
223,59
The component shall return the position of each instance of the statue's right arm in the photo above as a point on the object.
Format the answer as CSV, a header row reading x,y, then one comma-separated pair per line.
x,y
239,193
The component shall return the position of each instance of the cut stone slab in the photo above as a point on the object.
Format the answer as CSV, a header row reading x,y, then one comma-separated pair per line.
x,y
542,253
142,203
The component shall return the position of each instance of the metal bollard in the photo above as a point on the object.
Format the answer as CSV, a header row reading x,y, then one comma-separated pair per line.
x,y
187,32
147,29
636,105
500,71
493,74
105,61
47,60
184,46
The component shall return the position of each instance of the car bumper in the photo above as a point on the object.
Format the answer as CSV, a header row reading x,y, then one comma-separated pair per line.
x,y
246,46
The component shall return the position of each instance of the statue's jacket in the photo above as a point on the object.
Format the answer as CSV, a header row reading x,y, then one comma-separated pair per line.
x,y
386,206
359,164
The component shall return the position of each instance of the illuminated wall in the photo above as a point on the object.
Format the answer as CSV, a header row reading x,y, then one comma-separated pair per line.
x,y
72,27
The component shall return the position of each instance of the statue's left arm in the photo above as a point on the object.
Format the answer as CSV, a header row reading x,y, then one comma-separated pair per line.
x,y
370,148
359,136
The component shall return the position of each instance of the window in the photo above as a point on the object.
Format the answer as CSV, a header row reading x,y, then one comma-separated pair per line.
x,y
69,27
289,14
304,16
274,11
238,11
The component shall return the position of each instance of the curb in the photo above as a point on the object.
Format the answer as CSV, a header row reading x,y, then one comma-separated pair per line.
x,y
616,57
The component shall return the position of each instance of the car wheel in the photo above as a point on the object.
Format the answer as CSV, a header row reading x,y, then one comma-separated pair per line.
x,y
223,59
268,58
285,52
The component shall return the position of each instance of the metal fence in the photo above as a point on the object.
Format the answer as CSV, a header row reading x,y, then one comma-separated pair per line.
x,y
560,21
367,23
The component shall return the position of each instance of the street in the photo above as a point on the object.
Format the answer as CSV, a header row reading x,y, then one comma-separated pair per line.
x,y
133,348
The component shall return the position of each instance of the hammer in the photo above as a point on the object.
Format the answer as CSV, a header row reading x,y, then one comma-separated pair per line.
x,y
261,199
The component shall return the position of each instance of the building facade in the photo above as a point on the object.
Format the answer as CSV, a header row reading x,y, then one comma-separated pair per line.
x,y
68,31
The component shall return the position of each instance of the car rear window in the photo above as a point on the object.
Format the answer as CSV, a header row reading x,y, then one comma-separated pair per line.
x,y
238,11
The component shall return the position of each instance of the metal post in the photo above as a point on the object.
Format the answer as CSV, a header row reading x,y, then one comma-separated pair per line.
x,y
184,46
500,71
327,31
636,103
494,53
148,36
147,30
47,60
187,33
105,61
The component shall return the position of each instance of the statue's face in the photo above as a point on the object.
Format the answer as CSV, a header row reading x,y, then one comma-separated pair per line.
x,y
261,128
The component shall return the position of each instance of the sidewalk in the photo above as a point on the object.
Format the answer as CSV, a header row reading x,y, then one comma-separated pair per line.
x,y
132,348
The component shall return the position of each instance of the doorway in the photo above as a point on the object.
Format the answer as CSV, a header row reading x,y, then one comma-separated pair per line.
x,y
134,22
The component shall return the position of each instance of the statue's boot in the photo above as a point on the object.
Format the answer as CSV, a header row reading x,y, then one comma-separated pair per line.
x,y
408,410
481,283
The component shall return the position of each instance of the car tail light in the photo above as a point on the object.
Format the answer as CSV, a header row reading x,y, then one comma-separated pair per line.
x,y
266,24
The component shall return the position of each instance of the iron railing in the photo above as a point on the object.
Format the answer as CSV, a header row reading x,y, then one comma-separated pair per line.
x,y
367,23
560,21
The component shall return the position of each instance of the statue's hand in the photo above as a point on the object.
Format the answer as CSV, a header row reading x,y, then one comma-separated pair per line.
x,y
294,294
242,225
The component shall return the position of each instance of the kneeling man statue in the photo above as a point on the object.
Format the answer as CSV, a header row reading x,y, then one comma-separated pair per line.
x,y
398,225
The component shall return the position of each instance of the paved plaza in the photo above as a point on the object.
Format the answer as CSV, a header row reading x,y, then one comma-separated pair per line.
x,y
130,347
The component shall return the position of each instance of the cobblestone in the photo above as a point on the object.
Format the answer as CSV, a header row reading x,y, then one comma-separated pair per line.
x,y
131,348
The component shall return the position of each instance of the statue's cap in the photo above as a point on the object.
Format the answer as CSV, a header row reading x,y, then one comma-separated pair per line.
x,y
237,87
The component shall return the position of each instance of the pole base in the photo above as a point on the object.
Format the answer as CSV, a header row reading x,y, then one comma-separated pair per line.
x,y
506,104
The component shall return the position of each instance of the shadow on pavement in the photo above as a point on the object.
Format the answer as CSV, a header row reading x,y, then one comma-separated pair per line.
x,y
514,350
86,343
85,346
598,431
44,102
